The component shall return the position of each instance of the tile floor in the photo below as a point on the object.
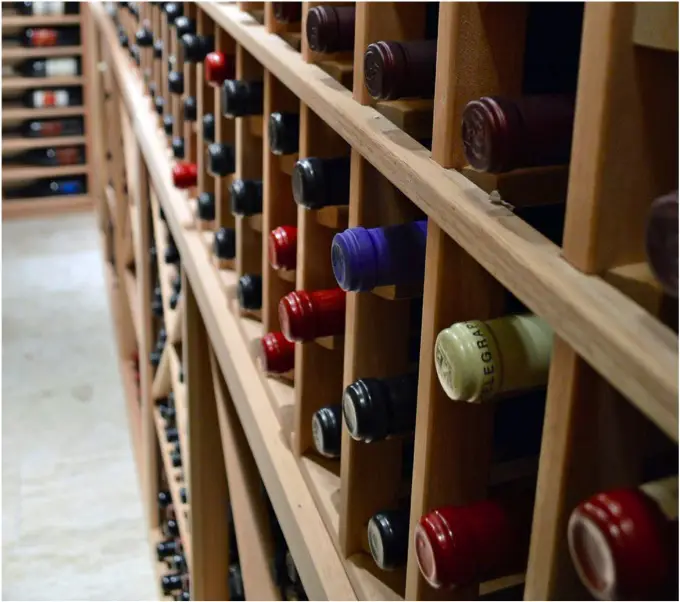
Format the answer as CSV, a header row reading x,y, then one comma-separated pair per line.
x,y
72,518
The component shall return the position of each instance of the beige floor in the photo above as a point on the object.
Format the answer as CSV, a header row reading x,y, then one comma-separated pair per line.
x,y
72,522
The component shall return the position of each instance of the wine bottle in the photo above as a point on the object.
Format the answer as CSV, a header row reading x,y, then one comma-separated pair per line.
x,y
276,353
176,459
190,108
158,49
184,175
365,258
196,48
172,435
167,548
174,300
221,159
159,104
287,12
144,38
47,8
283,247
394,70
52,97
308,315
478,361
44,37
236,591
330,28
460,545
178,147
172,583
183,495
164,499
320,183
47,128
172,11
168,124
388,538
184,26
377,408
47,157
63,186
249,291
624,542
246,197
172,253
177,283
501,134
224,243
284,133
661,241
208,124
53,67
219,67
206,207
327,431
176,83
242,98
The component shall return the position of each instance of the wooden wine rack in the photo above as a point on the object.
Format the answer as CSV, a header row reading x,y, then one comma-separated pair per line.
x,y
34,207
613,382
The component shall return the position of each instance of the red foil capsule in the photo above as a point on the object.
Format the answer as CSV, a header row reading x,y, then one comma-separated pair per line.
x,y
283,247
184,175
305,316
459,545
277,353
624,543
218,67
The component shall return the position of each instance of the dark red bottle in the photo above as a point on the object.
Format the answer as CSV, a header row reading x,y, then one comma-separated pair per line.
x,y
283,248
331,28
624,543
395,70
308,315
501,134
184,175
460,545
277,353
219,67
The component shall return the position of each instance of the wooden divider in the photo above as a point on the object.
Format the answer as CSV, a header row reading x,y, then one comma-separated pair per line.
x,y
225,133
249,156
279,209
593,438
191,84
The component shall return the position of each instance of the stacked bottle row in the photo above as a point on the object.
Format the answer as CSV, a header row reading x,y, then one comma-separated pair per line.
x,y
170,551
43,98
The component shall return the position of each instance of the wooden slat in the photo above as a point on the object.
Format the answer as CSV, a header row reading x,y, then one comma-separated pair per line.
x,y
19,113
11,144
206,477
44,206
25,83
19,52
17,174
248,506
15,21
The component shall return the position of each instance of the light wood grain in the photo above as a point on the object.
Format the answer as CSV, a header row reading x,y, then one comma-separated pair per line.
x,y
17,174
248,506
26,83
20,52
19,113
11,143
44,206
15,21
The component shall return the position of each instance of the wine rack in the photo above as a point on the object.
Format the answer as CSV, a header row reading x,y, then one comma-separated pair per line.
x,y
564,242
58,187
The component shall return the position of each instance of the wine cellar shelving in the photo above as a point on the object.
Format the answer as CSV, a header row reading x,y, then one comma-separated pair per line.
x,y
248,154
46,161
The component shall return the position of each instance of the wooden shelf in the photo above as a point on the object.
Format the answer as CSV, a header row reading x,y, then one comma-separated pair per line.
x,y
19,52
44,206
172,474
248,506
16,174
13,22
24,83
132,294
20,143
20,113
